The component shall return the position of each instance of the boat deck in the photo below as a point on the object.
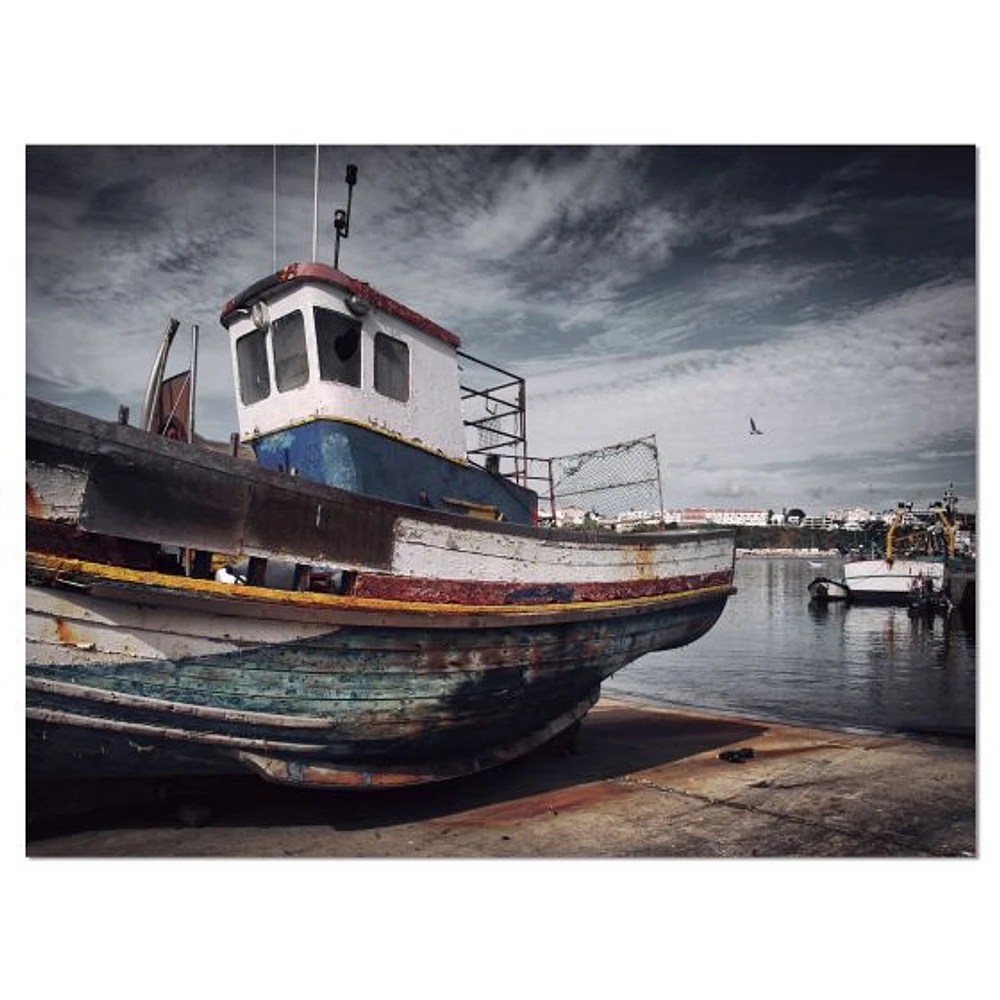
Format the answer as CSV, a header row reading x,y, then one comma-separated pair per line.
x,y
641,782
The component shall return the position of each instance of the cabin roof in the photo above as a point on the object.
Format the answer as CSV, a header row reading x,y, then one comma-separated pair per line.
x,y
298,273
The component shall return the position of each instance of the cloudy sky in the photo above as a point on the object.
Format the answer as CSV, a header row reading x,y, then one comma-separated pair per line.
x,y
828,292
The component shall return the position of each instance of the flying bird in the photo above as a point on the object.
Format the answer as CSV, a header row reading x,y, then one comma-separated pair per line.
x,y
753,427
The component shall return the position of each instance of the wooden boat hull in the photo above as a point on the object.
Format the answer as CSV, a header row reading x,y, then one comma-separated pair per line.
x,y
446,644
149,674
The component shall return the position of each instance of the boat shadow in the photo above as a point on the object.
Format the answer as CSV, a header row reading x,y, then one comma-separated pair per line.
x,y
612,743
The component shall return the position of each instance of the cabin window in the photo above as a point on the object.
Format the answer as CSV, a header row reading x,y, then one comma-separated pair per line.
x,y
251,361
288,341
392,367
338,344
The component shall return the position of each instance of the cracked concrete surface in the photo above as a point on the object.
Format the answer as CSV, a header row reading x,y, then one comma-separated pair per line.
x,y
643,782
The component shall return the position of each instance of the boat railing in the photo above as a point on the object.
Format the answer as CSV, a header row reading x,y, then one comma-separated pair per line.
x,y
620,477
494,413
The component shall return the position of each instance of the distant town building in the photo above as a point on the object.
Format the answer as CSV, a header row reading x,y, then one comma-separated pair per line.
x,y
743,517
570,515
837,518
639,517
692,516
823,521
850,518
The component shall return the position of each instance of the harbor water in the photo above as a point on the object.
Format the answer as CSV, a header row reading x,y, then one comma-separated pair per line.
x,y
774,655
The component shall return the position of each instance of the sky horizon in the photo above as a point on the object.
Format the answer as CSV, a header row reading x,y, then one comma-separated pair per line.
x,y
827,292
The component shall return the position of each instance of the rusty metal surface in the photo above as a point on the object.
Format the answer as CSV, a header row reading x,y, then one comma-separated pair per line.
x,y
47,536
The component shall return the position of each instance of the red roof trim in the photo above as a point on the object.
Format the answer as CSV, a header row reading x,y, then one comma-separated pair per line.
x,y
295,273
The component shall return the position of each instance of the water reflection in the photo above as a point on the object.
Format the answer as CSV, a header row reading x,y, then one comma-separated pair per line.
x,y
776,655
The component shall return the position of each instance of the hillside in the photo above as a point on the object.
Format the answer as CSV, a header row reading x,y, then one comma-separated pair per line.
x,y
784,536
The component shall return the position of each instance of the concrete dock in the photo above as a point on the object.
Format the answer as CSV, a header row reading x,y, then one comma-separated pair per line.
x,y
642,781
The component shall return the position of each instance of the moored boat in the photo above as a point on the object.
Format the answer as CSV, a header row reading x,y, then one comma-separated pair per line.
x,y
402,617
823,589
884,581
918,547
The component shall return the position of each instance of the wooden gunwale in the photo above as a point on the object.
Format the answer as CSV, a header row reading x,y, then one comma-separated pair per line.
x,y
222,598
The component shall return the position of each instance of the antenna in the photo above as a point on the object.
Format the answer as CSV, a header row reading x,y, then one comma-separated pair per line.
x,y
342,219
316,204
274,208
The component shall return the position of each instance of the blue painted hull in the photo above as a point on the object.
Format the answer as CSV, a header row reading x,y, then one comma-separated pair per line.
x,y
364,461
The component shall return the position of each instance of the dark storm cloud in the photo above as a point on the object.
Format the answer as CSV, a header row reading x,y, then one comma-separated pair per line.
x,y
125,205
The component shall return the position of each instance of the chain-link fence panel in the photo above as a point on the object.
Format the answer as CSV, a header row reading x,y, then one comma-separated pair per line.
x,y
619,479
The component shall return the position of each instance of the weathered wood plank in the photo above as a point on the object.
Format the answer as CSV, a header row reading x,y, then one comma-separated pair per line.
x,y
144,487
138,486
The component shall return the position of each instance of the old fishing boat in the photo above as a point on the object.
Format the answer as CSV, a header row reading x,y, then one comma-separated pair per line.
x,y
368,603
919,546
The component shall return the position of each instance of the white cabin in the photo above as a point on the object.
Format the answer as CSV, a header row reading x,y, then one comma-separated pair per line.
x,y
318,344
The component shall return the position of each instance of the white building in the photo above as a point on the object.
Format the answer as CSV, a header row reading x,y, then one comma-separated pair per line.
x,y
850,518
570,515
689,516
738,517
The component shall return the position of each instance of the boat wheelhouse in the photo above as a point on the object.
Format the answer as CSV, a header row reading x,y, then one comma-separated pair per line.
x,y
344,385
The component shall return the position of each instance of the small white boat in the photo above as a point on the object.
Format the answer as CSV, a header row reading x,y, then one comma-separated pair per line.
x,y
881,581
824,589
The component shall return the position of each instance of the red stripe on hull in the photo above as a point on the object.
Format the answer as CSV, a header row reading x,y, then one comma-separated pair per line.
x,y
397,588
